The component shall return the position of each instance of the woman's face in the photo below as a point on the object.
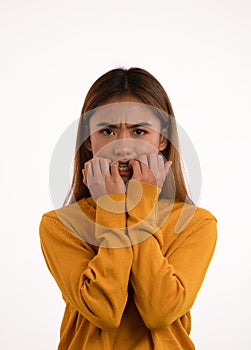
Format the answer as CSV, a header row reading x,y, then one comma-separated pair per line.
x,y
124,129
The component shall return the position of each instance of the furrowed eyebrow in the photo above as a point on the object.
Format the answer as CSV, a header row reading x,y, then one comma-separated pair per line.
x,y
116,126
146,124
106,124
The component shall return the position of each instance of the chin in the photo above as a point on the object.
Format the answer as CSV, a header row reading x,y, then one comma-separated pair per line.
x,y
126,178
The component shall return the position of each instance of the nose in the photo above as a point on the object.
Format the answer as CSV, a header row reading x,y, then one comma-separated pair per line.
x,y
124,148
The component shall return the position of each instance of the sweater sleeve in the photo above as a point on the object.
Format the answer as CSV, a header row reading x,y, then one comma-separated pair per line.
x,y
165,288
95,284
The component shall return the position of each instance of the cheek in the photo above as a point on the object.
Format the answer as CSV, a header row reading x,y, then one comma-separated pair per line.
x,y
152,141
147,146
98,144
104,148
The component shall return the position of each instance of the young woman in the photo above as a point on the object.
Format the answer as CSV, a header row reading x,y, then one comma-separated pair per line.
x,y
129,249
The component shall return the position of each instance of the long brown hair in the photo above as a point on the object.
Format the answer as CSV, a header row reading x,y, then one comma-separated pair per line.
x,y
138,83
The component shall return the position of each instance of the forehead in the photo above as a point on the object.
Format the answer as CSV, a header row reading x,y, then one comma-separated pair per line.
x,y
124,112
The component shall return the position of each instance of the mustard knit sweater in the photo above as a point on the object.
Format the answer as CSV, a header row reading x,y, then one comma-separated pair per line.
x,y
129,268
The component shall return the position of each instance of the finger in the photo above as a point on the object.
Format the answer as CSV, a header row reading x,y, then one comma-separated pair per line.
x,y
167,166
154,166
153,162
96,168
160,163
101,167
136,168
143,159
104,165
84,177
88,168
87,163
115,169
143,163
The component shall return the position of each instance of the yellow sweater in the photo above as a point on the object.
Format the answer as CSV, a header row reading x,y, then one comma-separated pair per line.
x,y
129,268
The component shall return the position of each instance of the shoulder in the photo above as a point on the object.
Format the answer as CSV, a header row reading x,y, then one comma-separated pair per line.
x,y
76,221
191,215
195,228
180,220
183,215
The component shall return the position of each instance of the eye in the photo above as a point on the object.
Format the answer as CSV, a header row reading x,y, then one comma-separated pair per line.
x,y
139,132
107,132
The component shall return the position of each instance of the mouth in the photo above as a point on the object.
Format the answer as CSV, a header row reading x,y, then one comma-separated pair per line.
x,y
123,166
124,169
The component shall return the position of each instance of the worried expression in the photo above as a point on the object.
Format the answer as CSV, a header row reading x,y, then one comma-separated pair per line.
x,y
125,130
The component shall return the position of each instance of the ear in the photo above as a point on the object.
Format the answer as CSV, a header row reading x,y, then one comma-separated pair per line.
x,y
88,144
163,140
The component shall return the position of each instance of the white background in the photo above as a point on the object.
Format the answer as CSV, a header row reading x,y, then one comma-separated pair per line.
x,y
51,53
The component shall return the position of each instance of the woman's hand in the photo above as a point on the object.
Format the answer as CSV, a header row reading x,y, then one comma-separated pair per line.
x,y
150,169
101,177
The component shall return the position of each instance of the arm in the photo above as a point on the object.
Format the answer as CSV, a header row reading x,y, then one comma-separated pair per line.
x,y
165,287
94,284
